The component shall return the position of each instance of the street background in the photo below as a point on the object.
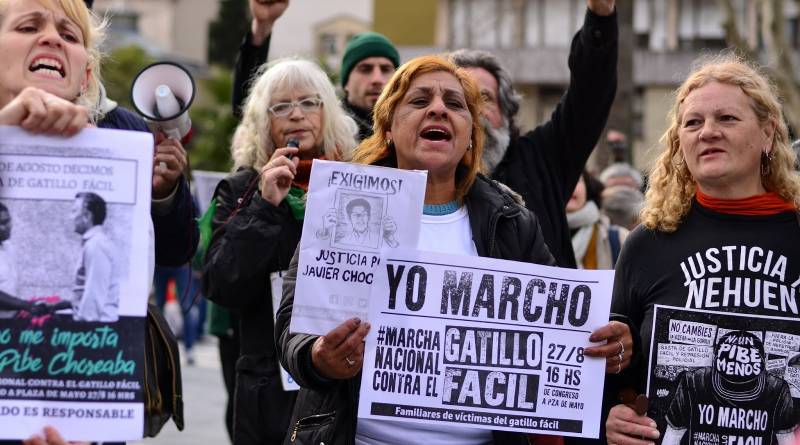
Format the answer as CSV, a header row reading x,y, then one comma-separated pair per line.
x,y
203,401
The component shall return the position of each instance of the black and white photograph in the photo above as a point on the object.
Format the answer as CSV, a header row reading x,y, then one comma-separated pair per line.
x,y
360,223
73,256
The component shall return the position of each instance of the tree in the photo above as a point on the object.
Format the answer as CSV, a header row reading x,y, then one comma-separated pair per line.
x,y
119,69
213,123
226,31
776,47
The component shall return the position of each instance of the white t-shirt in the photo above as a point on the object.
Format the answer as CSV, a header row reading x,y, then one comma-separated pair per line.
x,y
449,234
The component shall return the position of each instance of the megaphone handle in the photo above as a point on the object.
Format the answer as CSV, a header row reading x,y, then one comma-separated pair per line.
x,y
173,133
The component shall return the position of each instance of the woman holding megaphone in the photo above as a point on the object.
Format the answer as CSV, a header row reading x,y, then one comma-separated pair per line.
x,y
49,84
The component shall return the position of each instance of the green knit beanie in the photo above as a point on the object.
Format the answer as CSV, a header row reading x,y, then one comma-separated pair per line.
x,y
367,44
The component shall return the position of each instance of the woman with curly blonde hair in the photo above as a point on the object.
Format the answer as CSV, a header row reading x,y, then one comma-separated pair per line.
x,y
671,184
721,218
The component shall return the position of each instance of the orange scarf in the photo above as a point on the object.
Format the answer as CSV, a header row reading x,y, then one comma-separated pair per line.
x,y
768,203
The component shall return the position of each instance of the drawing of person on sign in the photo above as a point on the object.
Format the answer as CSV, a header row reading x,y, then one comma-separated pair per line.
x,y
362,224
734,398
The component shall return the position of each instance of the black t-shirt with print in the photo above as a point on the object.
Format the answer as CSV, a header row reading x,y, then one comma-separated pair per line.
x,y
714,261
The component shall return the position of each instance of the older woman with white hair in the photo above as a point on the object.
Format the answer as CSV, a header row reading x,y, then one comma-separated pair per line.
x,y
291,117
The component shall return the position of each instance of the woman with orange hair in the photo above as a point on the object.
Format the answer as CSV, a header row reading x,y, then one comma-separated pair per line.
x,y
427,118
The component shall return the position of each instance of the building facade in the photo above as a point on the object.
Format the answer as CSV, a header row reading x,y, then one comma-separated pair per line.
x,y
178,27
532,38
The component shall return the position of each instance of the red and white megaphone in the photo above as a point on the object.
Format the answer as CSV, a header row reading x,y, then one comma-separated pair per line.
x,y
162,94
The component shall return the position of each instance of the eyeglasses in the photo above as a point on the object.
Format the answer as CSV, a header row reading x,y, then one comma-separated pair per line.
x,y
282,109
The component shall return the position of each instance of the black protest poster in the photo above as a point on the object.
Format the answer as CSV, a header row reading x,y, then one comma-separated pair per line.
x,y
724,378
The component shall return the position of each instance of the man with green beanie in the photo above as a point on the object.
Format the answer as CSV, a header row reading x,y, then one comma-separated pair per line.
x,y
368,63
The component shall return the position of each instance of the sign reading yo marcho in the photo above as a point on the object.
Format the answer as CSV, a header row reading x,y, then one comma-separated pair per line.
x,y
484,343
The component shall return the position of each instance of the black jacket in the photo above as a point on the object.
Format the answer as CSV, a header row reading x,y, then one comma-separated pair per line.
x,y
244,249
327,409
544,164
246,246
250,58
362,117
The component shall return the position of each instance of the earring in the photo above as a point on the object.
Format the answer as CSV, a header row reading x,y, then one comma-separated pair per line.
x,y
469,147
389,143
766,162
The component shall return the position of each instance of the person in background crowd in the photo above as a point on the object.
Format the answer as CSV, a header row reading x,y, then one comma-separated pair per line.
x,y
622,173
465,213
185,295
595,241
725,179
257,225
254,49
618,146
368,62
544,164
622,204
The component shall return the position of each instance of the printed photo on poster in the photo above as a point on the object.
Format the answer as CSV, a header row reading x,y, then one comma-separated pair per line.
x,y
358,223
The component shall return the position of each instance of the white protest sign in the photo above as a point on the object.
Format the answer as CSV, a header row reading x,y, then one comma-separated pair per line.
x,y
352,213
484,343
692,333
80,212
276,285
205,183
781,343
